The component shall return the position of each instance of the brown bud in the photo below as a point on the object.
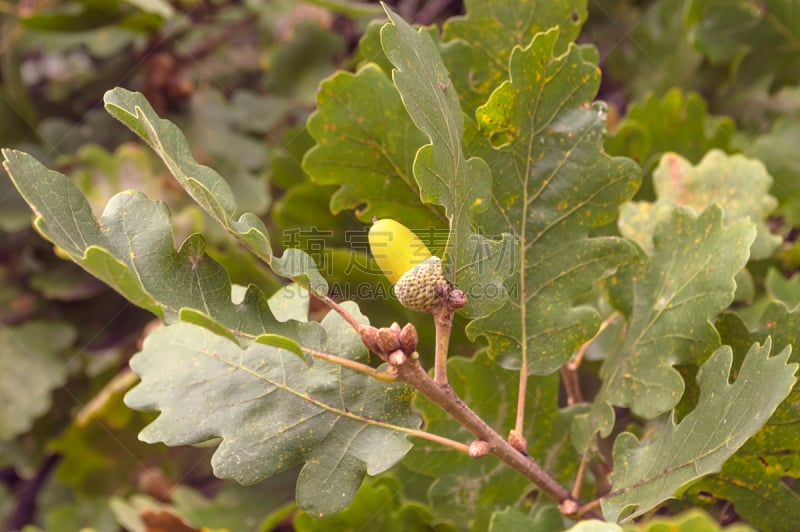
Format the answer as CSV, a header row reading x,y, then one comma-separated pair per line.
x,y
569,507
397,358
388,340
369,335
408,338
518,441
456,299
395,327
478,448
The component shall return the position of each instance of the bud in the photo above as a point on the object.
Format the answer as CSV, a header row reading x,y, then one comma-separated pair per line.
x,y
369,335
408,339
397,358
388,340
478,448
518,441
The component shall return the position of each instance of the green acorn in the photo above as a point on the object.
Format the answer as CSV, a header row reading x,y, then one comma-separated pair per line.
x,y
419,281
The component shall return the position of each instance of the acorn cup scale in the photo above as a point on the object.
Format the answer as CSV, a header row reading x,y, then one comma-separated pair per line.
x,y
407,262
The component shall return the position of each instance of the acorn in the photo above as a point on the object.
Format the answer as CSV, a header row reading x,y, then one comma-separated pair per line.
x,y
417,275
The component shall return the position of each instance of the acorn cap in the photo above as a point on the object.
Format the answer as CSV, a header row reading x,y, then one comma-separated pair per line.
x,y
417,288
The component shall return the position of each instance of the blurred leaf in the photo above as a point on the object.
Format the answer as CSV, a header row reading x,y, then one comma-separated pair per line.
x,y
300,63
206,186
650,50
474,489
645,474
540,153
694,520
779,288
685,283
30,369
286,169
366,144
738,184
72,16
158,7
472,262
760,38
14,214
236,507
775,148
677,123
64,281
493,29
378,507
85,514
548,518
101,453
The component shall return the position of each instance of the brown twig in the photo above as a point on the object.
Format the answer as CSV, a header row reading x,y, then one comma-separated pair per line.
x,y
349,318
411,372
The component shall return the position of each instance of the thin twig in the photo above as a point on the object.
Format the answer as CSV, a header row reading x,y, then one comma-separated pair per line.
x,y
587,508
354,323
569,371
572,387
576,487
376,374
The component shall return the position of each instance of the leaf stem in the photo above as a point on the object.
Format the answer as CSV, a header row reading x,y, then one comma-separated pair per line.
x,y
376,374
458,446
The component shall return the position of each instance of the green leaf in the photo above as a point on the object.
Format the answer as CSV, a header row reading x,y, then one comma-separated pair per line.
x,y
736,183
366,144
776,149
473,488
473,263
378,507
779,288
725,417
30,369
206,186
130,247
677,122
493,29
754,479
759,39
552,185
272,411
685,283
